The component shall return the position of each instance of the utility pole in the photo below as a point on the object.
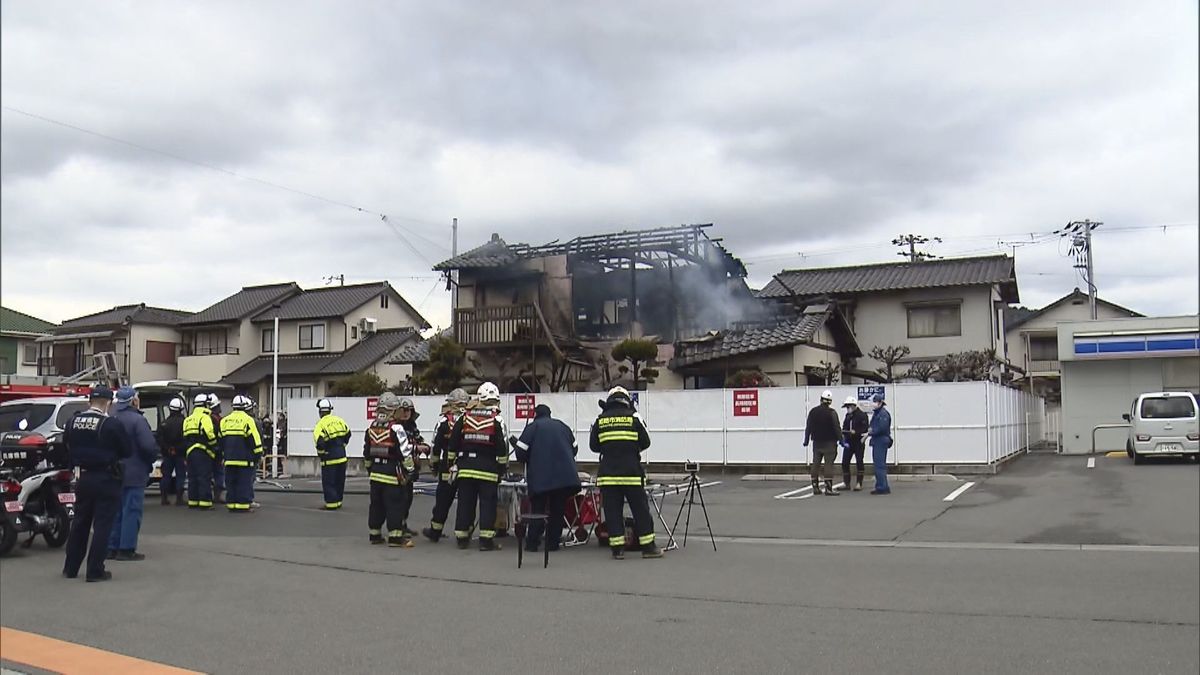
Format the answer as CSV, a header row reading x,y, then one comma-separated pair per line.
x,y
341,279
452,276
1080,232
912,241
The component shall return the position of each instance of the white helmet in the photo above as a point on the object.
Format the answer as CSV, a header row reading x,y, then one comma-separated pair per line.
x,y
619,390
213,400
827,396
324,405
200,400
489,393
176,405
850,401
242,403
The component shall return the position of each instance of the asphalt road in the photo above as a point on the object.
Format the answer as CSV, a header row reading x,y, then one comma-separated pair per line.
x,y
1049,567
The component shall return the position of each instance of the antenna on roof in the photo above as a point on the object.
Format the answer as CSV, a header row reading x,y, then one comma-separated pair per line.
x,y
341,279
912,241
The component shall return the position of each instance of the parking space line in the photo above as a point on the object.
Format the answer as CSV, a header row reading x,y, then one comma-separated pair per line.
x,y
954,495
788,495
796,494
1091,462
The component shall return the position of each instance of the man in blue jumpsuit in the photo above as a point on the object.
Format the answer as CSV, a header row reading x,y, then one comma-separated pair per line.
x,y
881,441
96,445
122,543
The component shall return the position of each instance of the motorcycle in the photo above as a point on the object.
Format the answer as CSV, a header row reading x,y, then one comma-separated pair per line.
x,y
36,488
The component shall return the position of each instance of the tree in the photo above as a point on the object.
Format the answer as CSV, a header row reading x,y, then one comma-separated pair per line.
x,y
358,384
889,356
830,373
446,368
922,371
970,366
752,378
637,352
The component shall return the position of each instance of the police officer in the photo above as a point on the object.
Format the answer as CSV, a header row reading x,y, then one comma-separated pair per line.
x,y
241,448
479,443
620,436
881,441
406,416
443,462
218,471
96,445
200,439
174,462
331,436
388,459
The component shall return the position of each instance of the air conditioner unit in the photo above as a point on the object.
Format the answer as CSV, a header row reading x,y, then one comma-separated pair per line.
x,y
366,326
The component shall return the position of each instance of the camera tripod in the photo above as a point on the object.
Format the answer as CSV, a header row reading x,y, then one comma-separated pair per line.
x,y
689,499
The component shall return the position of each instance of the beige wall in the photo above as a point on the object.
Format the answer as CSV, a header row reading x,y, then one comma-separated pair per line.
x,y
395,316
881,320
22,369
139,370
1046,325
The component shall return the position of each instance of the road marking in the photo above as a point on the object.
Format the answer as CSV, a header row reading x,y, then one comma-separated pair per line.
x,y
960,545
796,494
1091,462
1115,453
57,656
954,495
682,487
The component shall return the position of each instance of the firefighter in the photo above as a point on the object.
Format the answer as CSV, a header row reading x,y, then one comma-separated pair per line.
x,y
406,416
241,448
174,463
200,439
331,436
387,457
443,462
620,436
218,472
479,443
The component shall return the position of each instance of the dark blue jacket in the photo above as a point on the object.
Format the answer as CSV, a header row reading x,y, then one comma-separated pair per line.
x,y
95,441
141,442
881,428
548,449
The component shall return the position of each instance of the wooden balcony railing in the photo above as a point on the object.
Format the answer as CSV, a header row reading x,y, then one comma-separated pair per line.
x,y
502,326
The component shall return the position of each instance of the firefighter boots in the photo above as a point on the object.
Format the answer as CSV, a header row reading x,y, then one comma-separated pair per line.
x,y
464,543
829,491
488,544
431,534
618,553
652,551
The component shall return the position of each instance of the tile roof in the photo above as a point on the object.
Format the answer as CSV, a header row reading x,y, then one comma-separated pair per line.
x,y
495,253
334,301
733,343
984,270
418,352
1021,315
12,321
117,316
246,302
363,355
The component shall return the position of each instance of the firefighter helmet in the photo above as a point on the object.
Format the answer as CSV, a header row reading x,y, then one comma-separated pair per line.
x,y
324,405
242,403
200,400
620,395
827,396
388,402
213,401
489,393
176,405
406,404
850,402
458,398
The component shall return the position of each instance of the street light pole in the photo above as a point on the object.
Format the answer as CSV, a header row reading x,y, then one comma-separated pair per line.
x,y
275,403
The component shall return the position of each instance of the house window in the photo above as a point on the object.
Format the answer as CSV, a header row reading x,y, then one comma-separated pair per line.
x,y
160,352
1043,349
29,355
383,301
353,332
312,336
268,340
297,391
935,321
207,343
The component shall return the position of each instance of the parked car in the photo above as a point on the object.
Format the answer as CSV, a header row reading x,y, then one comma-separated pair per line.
x,y
1163,423
45,415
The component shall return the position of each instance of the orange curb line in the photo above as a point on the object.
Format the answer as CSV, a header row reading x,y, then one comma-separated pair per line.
x,y
68,658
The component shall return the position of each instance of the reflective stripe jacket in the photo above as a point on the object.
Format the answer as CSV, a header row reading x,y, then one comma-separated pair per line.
x,y
241,443
441,455
387,453
619,435
331,437
479,442
198,432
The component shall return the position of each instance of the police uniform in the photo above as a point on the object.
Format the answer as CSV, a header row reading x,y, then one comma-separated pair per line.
x,y
619,436
388,459
241,448
331,436
200,438
443,463
479,445
95,444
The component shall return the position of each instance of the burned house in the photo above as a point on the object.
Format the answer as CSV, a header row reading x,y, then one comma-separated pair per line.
x,y
545,317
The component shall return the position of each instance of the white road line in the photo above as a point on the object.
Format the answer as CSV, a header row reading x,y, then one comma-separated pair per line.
x,y
788,495
1091,462
682,487
954,495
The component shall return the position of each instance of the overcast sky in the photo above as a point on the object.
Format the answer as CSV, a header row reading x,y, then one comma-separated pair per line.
x,y
818,127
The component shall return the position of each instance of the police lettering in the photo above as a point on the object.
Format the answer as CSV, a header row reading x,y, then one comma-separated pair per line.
x,y
86,423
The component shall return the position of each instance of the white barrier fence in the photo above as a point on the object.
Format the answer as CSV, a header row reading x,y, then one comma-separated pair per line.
x,y
934,423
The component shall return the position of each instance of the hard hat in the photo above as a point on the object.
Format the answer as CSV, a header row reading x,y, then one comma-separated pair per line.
x,y
458,397
242,403
489,392
324,405
201,399
176,404
406,404
213,400
618,390
850,401
387,401
619,395
827,395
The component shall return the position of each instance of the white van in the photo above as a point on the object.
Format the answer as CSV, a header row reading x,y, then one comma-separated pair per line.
x,y
1163,423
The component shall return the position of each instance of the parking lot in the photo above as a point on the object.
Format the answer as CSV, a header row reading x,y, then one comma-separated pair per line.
x,y
1049,566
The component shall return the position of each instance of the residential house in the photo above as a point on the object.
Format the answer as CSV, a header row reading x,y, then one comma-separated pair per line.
x,y
1032,337
144,339
809,349
544,317
18,351
222,338
326,334
934,308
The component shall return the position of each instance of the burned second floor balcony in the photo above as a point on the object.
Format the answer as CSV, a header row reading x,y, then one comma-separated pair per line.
x,y
501,326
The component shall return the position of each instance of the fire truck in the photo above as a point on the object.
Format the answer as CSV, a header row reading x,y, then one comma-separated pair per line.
x,y
104,370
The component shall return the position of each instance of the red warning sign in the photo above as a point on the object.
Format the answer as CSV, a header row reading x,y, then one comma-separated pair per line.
x,y
745,403
372,403
525,403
